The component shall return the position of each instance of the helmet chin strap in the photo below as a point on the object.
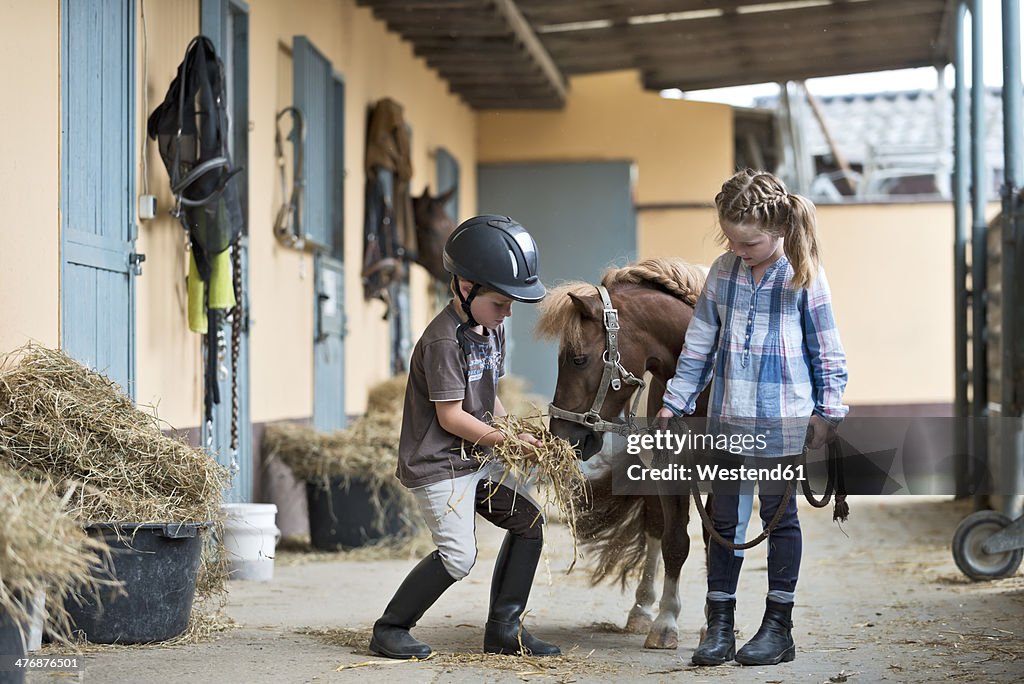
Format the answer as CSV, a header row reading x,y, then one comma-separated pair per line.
x,y
470,322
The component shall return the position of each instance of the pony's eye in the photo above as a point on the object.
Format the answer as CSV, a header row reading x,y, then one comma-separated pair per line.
x,y
579,360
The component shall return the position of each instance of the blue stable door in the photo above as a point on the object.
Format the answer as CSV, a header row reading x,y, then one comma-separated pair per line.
x,y
97,240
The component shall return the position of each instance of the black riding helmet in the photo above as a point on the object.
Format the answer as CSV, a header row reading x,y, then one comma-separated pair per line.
x,y
493,252
498,253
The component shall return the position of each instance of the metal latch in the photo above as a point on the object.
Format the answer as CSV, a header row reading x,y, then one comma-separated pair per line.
x,y
135,262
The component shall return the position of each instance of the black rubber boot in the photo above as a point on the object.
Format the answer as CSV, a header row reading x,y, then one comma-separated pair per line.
x,y
421,588
719,643
510,589
773,643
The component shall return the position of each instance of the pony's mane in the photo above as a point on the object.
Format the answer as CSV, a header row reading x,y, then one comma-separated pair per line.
x,y
560,320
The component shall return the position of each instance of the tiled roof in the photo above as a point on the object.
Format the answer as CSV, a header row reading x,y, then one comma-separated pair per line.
x,y
891,120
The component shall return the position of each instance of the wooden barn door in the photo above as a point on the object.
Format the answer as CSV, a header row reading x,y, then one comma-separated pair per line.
x,y
581,215
97,244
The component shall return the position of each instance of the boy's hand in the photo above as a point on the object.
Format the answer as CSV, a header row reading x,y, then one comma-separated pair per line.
x,y
532,456
529,439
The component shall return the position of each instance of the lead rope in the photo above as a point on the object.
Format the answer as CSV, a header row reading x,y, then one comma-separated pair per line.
x,y
841,511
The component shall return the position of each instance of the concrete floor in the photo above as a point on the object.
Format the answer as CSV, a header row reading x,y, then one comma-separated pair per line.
x,y
881,602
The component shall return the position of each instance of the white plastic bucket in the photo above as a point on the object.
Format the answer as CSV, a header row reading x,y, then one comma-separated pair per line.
x,y
250,537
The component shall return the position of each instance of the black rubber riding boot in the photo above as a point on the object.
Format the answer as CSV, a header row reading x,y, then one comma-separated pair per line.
x,y
510,589
773,643
719,643
421,588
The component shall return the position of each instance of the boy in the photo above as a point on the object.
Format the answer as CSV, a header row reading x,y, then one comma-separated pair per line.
x,y
449,401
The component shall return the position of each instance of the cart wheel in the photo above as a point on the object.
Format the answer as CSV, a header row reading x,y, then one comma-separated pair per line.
x,y
971,533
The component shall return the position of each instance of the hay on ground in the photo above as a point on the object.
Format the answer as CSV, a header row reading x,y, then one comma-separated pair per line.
x,y
413,545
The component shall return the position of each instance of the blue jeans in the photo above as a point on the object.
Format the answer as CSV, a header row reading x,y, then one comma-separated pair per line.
x,y
731,515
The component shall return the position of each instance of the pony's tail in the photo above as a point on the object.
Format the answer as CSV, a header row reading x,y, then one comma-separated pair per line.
x,y
615,530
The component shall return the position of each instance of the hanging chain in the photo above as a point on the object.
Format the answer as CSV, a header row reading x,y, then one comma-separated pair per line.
x,y
236,335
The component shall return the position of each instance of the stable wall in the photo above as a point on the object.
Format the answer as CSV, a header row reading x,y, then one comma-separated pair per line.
x,y
30,173
374,64
890,267
682,149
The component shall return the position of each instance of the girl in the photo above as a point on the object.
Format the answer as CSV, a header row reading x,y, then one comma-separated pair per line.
x,y
763,334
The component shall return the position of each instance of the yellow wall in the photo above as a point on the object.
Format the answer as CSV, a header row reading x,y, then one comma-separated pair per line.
x,y
168,368
374,64
891,272
30,173
681,148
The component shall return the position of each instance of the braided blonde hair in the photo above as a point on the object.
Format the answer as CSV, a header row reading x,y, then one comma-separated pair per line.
x,y
760,198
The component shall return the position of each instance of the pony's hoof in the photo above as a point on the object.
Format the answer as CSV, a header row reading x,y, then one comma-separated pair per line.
x,y
662,638
639,622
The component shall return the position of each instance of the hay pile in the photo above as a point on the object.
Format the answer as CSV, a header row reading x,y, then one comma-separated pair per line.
x,y
553,467
42,549
388,398
76,431
63,423
367,450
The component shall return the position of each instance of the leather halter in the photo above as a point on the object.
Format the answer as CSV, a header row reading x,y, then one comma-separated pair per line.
x,y
614,375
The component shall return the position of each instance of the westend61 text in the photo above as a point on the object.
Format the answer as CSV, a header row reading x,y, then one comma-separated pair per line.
x,y
716,473
663,440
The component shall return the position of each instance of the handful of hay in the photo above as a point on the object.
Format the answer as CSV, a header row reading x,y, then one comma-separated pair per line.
x,y
42,549
553,466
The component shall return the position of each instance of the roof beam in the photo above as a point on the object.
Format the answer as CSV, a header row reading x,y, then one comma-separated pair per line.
x,y
522,29
794,68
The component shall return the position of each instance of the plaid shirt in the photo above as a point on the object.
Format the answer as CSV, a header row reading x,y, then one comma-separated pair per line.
x,y
771,352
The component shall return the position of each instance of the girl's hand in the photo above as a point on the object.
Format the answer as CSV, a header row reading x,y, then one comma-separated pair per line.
x,y
821,432
662,418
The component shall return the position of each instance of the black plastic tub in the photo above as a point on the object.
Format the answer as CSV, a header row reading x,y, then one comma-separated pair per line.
x,y
12,645
346,517
158,565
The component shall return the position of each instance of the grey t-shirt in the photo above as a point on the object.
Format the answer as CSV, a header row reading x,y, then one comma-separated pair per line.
x,y
440,371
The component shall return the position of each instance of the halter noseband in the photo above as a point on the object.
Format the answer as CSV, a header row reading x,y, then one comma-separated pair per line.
x,y
614,375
